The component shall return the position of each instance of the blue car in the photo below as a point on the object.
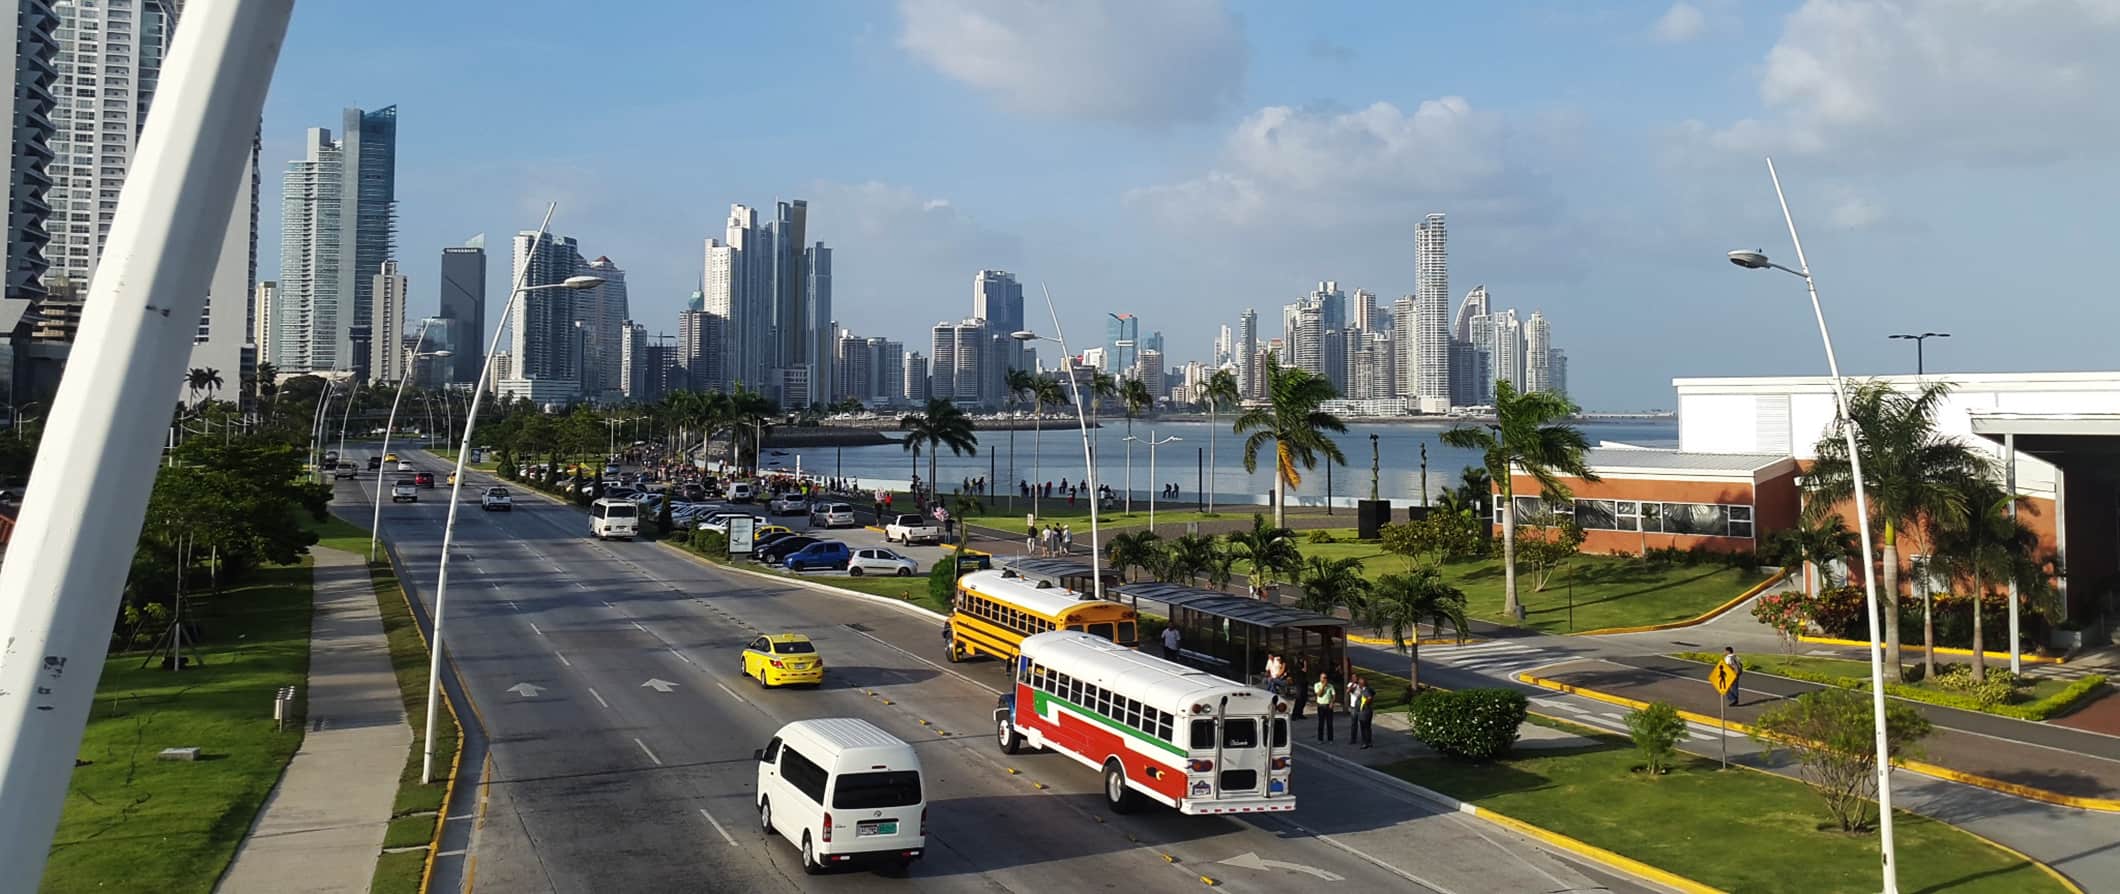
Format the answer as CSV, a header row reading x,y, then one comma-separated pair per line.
x,y
830,554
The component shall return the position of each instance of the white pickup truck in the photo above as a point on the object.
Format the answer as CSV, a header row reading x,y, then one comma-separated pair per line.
x,y
912,529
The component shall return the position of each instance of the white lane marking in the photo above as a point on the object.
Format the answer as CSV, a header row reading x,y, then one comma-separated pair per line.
x,y
644,750
455,853
534,629
607,604
636,626
563,658
599,698
717,826
581,585
731,692
680,655
558,570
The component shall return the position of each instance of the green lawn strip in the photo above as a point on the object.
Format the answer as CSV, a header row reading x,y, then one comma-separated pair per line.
x,y
1737,830
416,830
132,822
1609,591
338,533
399,873
913,589
408,659
2040,698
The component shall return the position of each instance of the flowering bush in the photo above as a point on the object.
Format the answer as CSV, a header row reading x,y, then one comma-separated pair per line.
x,y
1788,613
1837,612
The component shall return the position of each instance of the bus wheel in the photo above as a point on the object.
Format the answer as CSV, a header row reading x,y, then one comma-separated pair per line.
x,y
1005,734
955,651
1116,794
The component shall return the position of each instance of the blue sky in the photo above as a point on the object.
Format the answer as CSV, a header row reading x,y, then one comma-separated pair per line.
x,y
1949,161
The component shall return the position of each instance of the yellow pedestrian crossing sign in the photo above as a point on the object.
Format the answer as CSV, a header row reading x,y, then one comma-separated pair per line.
x,y
1723,677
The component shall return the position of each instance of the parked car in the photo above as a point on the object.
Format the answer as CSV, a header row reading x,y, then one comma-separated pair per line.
x,y
910,528
423,479
773,553
405,491
719,521
742,492
830,554
877,560
496,499
693,492
832,515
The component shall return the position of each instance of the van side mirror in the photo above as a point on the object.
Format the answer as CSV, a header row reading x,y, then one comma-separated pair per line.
x,y
758,754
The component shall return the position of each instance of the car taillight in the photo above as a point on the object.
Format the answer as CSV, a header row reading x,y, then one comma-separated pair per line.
x,y
1199,766
776,662
1280,763
828,828
923,821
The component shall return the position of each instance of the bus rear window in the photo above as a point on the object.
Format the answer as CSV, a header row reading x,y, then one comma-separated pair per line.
x,y
1127,636
1101,631
1235,734
868,791
615,510
1240,734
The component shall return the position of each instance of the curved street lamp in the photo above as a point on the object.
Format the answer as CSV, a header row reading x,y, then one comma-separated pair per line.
x,y
375,525
1920,341
1089,462
1756,259
1152,445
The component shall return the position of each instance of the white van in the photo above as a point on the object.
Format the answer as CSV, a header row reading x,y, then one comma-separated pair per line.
x,y
742,492
840,789
614,518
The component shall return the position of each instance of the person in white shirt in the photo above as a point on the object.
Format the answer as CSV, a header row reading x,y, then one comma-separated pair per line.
x,y
1170,642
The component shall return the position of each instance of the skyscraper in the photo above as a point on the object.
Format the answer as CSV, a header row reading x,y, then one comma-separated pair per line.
x,y
1431,311
31,32
602,312
387,315
262,332
367,214
702,340
817,293
1538,341
918,384
1557,365
1149,369
109,58
1402,325
1365,310
1505,354
1224,347
791,311
1471,344
463,283
317,319
1306,338
545,351
634,373
1122,337
1247,348
744,298
942,360
1475,304
997,298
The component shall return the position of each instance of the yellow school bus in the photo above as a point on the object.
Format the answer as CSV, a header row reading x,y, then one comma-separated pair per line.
x,y
995,610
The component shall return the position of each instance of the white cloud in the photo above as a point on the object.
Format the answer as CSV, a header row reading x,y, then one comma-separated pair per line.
x,y
1961,81
1103,60
1856,213
1304,166
1681,23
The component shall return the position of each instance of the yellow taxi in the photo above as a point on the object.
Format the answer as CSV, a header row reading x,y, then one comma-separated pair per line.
x,y
452,479
390,457
781,659
763,530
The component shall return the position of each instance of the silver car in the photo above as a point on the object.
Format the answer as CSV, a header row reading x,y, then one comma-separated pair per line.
x,y
832,515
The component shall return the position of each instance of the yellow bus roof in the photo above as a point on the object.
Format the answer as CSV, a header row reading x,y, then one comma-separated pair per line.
x,y
1050,602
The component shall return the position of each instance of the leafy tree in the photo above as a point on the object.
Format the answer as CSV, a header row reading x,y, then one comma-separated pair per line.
x,y
1409,540
1294,424
1547,548
1656,730
1528,436
1910,471
1134,549
1041,391
1984,544
202,381
1832,734
1220,392
1786,613
1816,541
1400,603
1187,557
941,424
1221,565
1331,583
1267,550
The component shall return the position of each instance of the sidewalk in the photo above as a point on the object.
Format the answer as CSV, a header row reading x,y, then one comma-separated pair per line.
x,y
322,827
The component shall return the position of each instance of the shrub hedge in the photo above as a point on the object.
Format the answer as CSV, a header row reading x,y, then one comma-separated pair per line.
x,y
1474,724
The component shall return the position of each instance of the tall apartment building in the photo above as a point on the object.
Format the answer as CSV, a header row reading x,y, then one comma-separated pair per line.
x,y
1474,305
31,34
463,283
1364,312
1402,326
386,314
317,319
1538,342
368,214
633,372
739,288
601,313
817,298
1305,335
1505,353
853,376
1149,369
1247,350
997,298
960,361
888,359
1431,311
1557,371
1122,338
721,290
702,342
791,312
545,350
918,384
1469,385
262,332
1225,346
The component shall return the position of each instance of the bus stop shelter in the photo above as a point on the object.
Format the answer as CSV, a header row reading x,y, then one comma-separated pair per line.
x,y
1230,636
1069,573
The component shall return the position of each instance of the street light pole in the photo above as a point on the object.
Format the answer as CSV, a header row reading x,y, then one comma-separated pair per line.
x,y
1096,546
1920,342
1130,439
1757,260
456,488
345,413
1152,445
375,524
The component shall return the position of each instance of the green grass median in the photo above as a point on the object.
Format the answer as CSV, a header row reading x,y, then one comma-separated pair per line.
x,y
417,807
135,823
2037,699
1736,829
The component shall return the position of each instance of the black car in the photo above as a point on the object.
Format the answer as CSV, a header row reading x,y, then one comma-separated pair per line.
x,y
773,552
374,463
769,539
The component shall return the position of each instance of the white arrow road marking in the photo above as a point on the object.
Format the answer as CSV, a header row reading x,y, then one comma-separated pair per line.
x,y
659,685
527,690
1254,861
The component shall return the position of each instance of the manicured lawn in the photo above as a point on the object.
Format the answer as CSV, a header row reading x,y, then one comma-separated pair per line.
x,y
1736,829
1608,591
134,823
399,873
408,658
1812,667
340,534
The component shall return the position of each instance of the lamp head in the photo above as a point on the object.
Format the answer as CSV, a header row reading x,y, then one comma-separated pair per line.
x,y
583,282
441,353
1024,335
1750,259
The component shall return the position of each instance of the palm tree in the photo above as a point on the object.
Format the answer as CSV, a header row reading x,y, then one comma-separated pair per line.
x,y
1400,602
1330,583
1292,422
1221,564
1020,382
1527,436
942,424
1477,487
1910,471
1134,549
199,381
1134,399
1221,391
1985,544
1188,557
747,413
1267,550
1816,542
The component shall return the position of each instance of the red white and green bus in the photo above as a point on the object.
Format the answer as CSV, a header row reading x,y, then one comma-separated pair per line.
x,y
1158,730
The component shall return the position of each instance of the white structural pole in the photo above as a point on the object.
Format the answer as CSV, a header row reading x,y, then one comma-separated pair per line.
x,y
1089,460
59,588
316,427
1869,562
2009,485
345,414
375,525
456,496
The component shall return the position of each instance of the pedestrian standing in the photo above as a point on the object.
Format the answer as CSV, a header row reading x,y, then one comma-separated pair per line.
x,y
1327,696
1067,539
1170,642
1737,673
1365,714
1301,687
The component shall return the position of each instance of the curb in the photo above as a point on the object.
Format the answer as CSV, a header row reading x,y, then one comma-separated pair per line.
x,y
806,584
1710,615
2100,805
1940,650
2066,883
434,844
1606,858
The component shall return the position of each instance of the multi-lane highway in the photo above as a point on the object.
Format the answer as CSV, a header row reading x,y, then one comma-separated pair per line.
x,y
605,679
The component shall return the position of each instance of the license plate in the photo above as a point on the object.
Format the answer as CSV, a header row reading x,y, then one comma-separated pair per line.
x,y
884,827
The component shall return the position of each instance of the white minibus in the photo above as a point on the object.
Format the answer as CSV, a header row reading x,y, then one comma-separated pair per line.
x,y
841,790
610,518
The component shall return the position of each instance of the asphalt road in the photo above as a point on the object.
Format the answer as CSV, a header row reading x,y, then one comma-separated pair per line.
x,y
605,676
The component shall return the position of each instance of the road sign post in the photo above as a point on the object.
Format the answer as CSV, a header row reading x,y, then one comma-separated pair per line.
x,y
1722,677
